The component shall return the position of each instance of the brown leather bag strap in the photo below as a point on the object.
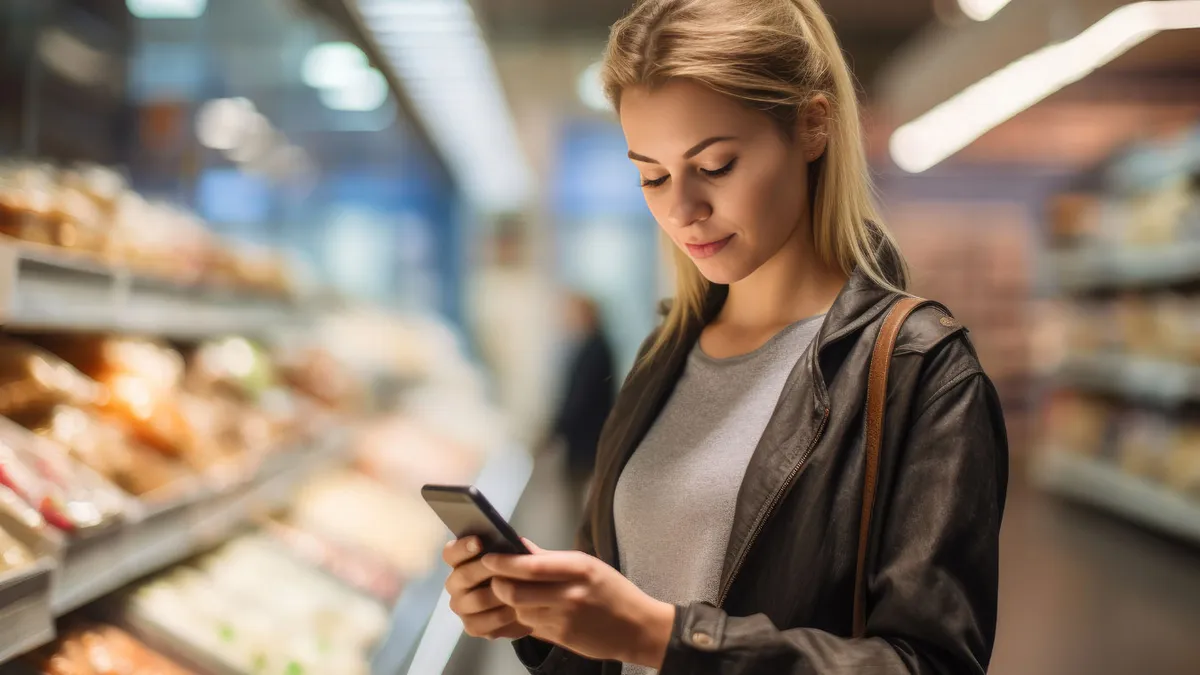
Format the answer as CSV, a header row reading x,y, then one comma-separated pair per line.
x,y
881,360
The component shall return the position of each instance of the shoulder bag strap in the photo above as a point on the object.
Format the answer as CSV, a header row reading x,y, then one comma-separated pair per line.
x,y
881,359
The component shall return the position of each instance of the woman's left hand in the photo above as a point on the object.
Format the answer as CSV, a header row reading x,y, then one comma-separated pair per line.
x,y
576,601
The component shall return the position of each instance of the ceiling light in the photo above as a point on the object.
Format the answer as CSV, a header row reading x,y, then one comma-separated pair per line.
x,y
981,10
330,64
959,121
437,51
167,9
365,91
590,88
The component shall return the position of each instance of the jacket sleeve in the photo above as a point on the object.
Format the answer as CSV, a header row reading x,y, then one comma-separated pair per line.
x,y
931,593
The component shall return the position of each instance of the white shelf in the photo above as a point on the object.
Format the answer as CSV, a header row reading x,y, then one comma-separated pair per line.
x,y
1093,268
44,289
1105,486
424,632
80,571
1138,378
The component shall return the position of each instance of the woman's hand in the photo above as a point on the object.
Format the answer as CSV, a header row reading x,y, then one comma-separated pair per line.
x,y
576,601
472,598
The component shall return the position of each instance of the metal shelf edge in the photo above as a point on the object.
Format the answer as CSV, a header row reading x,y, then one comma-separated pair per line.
x,y
1105,486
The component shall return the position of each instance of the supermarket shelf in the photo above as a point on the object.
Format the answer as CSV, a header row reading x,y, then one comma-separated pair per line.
x,y
43,289
1138,378
87,569
424,631
1105,486
1097,268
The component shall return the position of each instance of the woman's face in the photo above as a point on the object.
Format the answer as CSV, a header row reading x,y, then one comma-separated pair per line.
x,y
722,180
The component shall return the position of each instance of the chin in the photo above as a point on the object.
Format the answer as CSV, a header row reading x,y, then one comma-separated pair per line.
x,y
724,274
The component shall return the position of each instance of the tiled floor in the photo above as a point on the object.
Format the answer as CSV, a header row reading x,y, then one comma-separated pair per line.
x,y
1081,593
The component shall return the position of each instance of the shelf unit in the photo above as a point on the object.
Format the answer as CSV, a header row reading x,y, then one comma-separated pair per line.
x,y
1105,486
73,573
1099,268
45,289
42,289
1138,378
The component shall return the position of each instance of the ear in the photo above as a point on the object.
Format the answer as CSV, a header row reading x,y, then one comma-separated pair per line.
x,y
813,131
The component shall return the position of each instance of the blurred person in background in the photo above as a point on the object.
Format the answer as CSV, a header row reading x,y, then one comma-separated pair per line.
x,y
510,305
723,531
588,393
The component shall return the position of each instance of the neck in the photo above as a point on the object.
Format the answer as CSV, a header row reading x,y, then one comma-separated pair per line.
x,y
793,285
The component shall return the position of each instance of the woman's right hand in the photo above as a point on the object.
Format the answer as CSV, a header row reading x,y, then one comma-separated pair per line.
x,y
471,597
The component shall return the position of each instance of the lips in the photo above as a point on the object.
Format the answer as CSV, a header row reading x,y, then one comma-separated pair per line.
x,y
701,251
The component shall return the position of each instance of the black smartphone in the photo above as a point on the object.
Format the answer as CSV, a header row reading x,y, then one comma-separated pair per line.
x,y
467,513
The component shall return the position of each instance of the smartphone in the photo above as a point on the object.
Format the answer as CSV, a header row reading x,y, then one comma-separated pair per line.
x,y
467,513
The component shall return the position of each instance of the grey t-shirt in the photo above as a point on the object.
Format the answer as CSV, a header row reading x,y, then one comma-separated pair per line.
x,y
675,500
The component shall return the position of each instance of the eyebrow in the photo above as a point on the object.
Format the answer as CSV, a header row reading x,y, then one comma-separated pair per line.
x,y
696,149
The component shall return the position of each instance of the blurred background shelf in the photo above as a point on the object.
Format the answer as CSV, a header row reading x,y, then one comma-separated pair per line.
x,y
1111,268
87,569
1107,487
1134,377
43,289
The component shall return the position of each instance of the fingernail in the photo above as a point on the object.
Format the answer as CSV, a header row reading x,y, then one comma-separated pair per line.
x,y
472,546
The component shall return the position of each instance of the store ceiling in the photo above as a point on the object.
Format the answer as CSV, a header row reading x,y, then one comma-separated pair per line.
x,y
870,30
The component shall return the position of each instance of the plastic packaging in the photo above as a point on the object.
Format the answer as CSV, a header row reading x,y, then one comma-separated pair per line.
x,y
69,496
256,609
101,650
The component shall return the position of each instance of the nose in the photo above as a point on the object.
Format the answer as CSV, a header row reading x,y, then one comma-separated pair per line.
x,y
688,206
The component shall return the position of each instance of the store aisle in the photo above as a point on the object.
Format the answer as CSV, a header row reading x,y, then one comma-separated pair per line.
x,y
1081,593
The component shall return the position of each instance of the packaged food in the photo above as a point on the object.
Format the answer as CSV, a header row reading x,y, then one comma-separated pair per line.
x,y
136,370
100,650
68,496
32,379
257,609
12,554
1145,440
231,367
107,447
27,196
359,568
1183,463
157,240
401,452
352,509
316,373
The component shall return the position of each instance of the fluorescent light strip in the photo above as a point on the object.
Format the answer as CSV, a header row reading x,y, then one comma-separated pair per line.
x,y
981,10
436,49
981,107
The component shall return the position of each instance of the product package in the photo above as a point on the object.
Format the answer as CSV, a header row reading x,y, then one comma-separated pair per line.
x,y
100,650
108,449
69,496
256,609
352,509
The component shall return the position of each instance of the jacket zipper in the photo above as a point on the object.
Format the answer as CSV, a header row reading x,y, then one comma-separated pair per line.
x,y
775,499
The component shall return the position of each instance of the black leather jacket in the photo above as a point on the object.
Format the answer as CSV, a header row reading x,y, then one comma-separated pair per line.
x,y
786,599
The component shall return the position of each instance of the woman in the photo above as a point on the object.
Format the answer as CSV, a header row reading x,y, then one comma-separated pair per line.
x,y
730,474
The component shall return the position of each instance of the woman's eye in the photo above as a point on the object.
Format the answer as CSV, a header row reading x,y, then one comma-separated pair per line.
x,y
653,182
721,171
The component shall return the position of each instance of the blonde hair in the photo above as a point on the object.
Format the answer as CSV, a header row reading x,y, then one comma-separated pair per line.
x,y
774,56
